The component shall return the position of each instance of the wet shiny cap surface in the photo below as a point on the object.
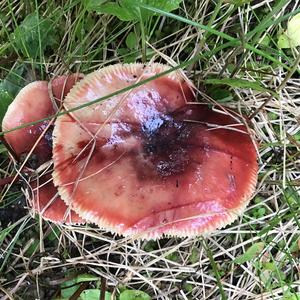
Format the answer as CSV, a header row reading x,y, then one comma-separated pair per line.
x,y
151,161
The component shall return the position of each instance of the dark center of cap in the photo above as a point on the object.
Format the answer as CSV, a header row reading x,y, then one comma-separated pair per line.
x,y
164,144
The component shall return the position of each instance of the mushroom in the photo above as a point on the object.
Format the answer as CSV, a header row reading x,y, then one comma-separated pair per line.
x,y
32,104
151,161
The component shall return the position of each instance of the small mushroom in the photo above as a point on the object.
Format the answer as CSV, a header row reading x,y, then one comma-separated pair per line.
x,y
32,104
151,161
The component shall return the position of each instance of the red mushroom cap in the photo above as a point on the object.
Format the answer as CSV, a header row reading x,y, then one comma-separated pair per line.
x,y
32,104
151,161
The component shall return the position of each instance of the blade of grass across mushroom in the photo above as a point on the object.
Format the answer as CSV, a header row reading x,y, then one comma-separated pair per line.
x,y
33,145
98,100
162,169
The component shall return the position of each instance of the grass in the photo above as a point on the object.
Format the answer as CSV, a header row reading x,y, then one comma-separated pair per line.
x,y
256,257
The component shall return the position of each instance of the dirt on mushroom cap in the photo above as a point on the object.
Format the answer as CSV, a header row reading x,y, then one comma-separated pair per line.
x,y
148,162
